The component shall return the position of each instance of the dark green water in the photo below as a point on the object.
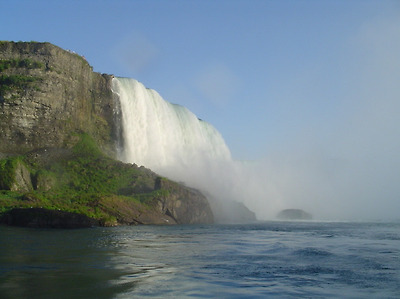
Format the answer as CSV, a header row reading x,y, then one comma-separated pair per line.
x,y
272,259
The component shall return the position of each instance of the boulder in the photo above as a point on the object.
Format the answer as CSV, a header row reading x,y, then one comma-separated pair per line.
x,y
15,176
22,179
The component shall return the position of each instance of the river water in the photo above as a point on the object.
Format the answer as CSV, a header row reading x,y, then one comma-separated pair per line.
x,y
264,260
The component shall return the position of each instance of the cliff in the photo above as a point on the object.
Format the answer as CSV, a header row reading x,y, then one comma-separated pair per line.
x,y
47,94
57,143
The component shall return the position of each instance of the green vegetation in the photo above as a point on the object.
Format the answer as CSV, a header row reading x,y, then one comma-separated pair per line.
x,y
16,82
83,181
7,168
19,63
87,147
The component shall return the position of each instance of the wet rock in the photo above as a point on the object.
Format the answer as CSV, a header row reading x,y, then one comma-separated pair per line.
x,y
183,204
44,218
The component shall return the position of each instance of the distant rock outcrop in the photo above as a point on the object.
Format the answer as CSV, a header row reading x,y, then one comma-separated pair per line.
x,y
294,214
229,211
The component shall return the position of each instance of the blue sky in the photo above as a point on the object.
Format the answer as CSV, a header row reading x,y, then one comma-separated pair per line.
x,y
292,83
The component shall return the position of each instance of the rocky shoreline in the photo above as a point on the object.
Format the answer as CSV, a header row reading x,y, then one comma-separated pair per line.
x,y
45,218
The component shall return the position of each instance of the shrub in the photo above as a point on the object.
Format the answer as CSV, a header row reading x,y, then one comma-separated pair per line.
x,y
87,146
20,63
18,82
7,169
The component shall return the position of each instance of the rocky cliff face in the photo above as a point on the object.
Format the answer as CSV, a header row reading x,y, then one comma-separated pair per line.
x,y
48,94
183,204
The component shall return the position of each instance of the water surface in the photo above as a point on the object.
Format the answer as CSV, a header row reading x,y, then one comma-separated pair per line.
x,y
272,259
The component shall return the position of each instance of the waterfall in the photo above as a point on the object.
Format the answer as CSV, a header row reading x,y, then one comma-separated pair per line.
x,y
165,137
175,143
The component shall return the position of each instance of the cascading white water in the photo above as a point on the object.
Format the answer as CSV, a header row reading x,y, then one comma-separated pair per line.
x,y
173,142
165,137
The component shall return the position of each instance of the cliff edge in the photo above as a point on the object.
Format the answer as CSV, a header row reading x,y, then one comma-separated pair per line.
x,y
47,94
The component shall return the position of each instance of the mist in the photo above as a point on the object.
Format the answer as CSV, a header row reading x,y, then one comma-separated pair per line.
x,y
340,161
346,165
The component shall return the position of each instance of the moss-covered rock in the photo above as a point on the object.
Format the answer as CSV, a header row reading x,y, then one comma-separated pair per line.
x,y
181,203
14,175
